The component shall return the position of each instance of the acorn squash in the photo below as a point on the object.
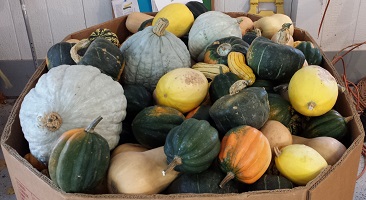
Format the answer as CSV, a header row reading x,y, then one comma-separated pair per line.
x,y
312,53
59,54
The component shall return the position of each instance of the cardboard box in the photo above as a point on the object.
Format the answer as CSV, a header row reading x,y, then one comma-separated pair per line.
x,y
335,182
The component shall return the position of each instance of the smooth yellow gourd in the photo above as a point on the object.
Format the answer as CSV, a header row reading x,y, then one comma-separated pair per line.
x,y
179,16
183,89
312,91
139,172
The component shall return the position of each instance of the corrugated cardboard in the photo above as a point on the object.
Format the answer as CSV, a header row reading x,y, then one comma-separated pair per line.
x,y
335,182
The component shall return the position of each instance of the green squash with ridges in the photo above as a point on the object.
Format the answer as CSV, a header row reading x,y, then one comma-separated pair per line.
x,y
312,53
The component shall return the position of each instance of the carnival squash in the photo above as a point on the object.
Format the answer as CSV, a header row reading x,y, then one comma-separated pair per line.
x,y
68,97
179,16
312,91
207,28
183,89
245,154
191,147
151,53
139,172
79,159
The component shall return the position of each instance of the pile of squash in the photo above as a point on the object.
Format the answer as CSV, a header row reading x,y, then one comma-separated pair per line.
x,y
194,101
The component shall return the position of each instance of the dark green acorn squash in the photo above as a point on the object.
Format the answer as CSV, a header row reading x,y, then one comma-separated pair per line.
x,y
270,182
104,55
218,51
145,24
192,146
197,8
79,160
280,109
220,85
273,61
205,182
59,54
267,84
138,98
312,53
152,125
201,113
331,124
250,107
249,36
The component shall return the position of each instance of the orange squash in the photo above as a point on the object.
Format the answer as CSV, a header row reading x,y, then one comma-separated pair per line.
x,y
245,154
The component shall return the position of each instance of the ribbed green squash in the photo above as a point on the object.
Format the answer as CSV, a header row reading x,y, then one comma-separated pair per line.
x,y
79,160
106,56
331,124
152,125
273,61
192,146
205,182
197,8
59,54
280,109
201,113
218,51
104,33
220,85
249,36
138,98
250,107
270,182
312,53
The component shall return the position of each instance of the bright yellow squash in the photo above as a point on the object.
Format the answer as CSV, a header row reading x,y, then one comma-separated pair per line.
x,y
312,90
179,16
183,89
299,163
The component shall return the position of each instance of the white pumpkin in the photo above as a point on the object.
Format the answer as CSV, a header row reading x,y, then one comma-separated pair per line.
x,y
209,27
68,97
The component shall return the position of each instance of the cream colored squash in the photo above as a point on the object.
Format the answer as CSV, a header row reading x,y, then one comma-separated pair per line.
x,y
269,25
278,135
312,91
183,89
68,97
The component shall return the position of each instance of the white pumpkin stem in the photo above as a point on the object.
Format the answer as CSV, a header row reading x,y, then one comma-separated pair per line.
x,y
311,105
176,161
91,127
160,26
52,121
229,176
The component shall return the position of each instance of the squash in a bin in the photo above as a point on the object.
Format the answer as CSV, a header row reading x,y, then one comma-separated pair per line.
x,y
68,97
79,159
59,54
312,53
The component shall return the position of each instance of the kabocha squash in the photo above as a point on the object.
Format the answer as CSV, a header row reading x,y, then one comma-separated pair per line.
x,y
312,53
220,85
139,172
245,154
68,97
270,182
79,159
152,125
191,147
135,20
299,163
331,124
197,8
329,148
207,28
312,91
104,55
151,53
237,65
269,25
183,89
59,54
273,61
218,51
210,70
247,107
138,98
179,16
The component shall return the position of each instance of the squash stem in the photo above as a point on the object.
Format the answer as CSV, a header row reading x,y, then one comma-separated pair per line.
x,y
160,26
229,176
52,121
176,161
348,119
341,89
277,151
91,126
311,105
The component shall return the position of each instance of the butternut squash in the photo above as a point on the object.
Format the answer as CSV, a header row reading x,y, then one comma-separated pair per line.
x,y
329,148
278,135
135,19
128,147
139,172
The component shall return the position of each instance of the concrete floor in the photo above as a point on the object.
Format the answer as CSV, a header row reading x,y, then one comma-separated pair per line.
x,y
7,192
